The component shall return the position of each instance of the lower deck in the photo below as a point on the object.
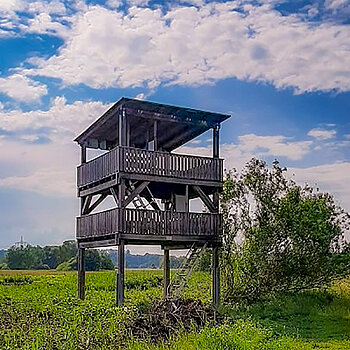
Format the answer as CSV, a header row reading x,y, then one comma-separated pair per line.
x,y
135,226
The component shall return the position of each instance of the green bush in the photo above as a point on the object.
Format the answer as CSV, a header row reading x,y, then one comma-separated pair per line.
x,y
278,236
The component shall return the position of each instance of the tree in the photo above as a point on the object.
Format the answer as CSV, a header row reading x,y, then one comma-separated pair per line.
x,y
24,258
278,235
52,256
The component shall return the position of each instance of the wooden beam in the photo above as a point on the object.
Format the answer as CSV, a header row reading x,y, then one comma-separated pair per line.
x,y
86,201
155,134
176,180
81,273
98,243
83,154
150,200
120,274
115,196
166,273
98,201
135,193
206,200
216,278
216,141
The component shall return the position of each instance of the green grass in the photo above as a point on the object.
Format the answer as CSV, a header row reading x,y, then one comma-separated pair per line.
x,y
39,310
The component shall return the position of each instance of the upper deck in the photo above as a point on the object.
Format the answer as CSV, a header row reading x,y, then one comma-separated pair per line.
x,y
132,163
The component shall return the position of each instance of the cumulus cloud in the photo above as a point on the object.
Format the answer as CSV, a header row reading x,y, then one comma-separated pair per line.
x,y
22,88
47,182
44,24
332,178
192,46
322,134
61,122
46,169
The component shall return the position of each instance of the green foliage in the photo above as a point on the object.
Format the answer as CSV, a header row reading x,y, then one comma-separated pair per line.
x,y
63,258
39,310
2,255
3,266
278,235
24,258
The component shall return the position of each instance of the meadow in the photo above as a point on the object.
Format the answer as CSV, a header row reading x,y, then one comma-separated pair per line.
x,y
39,310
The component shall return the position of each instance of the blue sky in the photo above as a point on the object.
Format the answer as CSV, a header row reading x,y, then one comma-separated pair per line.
x,y
281,68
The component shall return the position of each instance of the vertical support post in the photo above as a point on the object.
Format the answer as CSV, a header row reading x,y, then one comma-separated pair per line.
x,y
81,251
166,273
216,278
83,154
155,134
81,273
215,264
122,132
120,274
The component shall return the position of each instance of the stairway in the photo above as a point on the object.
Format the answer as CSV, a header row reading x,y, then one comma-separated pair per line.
x,y
182,275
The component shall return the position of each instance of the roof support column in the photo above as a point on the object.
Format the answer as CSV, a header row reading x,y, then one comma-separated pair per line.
x,y
215,262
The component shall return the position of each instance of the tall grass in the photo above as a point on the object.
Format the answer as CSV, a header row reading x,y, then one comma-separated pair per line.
x,y
41,311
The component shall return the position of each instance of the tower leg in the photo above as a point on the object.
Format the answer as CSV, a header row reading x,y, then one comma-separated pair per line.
x,y
216,278
120,274
166,273
81,273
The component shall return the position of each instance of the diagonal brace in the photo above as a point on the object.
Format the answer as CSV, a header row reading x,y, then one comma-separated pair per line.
x,y
86,203
206,200
136,191
115,196
98,201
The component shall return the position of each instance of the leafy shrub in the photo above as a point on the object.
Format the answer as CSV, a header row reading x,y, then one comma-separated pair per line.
x,y
278,236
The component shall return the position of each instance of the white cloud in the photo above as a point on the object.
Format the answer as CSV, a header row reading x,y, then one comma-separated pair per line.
x,y
11,5
44,24
193,46
114,4
322,134
60,123
48,182
332,178
22,88
336,4
275,146
50,168
251,145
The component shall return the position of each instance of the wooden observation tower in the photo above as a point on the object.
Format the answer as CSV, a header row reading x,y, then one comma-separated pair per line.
x,y
151,187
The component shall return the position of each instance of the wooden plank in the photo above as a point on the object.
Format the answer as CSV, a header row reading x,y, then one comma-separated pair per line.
x,y
81,273
166,273
120,274
115,196
206,200
135,193
216,278
98,188
97,243
181,181
98,201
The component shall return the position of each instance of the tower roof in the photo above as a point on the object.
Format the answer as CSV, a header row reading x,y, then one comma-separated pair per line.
x,y
176,125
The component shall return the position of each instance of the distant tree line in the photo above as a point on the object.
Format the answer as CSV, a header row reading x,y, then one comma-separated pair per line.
x,y
62,257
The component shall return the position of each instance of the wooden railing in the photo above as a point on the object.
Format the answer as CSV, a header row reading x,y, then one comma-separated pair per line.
x,y
139,161
148,223
98,168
